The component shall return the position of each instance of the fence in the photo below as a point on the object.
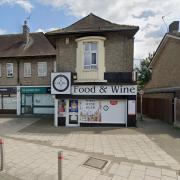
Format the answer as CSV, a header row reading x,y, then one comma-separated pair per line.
x,y
177,112
158,108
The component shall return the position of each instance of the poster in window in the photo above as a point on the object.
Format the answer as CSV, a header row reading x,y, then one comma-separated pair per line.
x,y
90,111
73,106
131,107
62,108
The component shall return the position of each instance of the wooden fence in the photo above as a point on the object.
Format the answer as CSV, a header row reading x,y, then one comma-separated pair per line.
x,y
177,112
158,108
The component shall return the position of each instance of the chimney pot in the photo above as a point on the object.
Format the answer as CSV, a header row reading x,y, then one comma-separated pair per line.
x,y
174,27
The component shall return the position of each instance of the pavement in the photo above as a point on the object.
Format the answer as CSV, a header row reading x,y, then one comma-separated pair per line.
x,y
149,152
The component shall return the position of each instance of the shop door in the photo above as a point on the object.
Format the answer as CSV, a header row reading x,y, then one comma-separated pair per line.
x,y
114,111
28,108
73,119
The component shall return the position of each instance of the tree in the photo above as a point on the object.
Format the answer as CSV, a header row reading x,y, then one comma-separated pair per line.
x,y
144,72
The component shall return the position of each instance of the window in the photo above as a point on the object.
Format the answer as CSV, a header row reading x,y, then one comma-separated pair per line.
x,y
90,55
42,69
9,68
27,69
0,71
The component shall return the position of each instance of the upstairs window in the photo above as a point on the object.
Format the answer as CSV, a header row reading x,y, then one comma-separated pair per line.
x,y
9,69
42,69
27,69
90,55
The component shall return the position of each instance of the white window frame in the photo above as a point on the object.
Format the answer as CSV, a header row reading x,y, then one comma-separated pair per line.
x,y
0,70
27,69
42,69
12,69
90,51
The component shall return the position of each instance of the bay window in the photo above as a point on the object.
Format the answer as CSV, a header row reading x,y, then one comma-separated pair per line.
x,y
90,55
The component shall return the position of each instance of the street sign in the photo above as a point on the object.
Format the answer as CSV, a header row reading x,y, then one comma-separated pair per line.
x,y
141,92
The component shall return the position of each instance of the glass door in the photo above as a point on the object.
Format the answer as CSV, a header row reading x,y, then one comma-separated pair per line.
x,y
28,104
73,113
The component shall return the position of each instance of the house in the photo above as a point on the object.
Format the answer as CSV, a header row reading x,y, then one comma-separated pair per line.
x,y
164,86
26,63
95,83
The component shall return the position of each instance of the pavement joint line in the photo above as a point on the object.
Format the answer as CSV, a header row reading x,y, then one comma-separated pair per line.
x,y
44,143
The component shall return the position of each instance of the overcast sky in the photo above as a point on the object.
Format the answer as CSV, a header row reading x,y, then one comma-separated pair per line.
x,y
52,14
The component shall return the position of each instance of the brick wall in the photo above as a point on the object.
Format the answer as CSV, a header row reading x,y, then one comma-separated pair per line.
x,y
34,80
165,71
119,51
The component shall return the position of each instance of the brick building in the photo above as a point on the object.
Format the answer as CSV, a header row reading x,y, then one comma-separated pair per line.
x,y
26,63
164,85
95,83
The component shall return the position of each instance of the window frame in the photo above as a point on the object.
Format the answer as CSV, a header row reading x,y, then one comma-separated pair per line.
x,y
42,74
26,74
10,76
91,59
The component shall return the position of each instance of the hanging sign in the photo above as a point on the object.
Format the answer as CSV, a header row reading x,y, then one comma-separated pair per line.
x,y
60,83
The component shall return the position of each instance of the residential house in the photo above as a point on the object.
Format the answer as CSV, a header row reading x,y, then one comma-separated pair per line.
x,y
164,86
95,82
26,63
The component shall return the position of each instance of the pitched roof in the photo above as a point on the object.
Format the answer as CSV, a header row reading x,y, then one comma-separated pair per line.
x,y
93,23
13,45
166,37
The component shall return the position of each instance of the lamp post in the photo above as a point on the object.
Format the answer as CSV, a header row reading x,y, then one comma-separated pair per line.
x,y
141,92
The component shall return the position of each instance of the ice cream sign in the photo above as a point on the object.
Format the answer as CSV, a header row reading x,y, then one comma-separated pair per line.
x,y
104,90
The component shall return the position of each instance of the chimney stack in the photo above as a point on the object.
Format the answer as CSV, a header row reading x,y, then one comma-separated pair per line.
x,y
26,31
174,27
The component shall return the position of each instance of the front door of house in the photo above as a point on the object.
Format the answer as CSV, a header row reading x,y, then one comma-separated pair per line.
x,y
28,108
73,119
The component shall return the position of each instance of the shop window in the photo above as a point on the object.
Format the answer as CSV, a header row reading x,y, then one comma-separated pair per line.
x,y
90,55
9,68
27,69
42,69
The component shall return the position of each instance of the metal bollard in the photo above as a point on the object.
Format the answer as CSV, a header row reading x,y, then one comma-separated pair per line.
x,y
60,158
1,155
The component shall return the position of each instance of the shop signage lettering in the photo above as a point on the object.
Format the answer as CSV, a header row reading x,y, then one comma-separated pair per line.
x,y
36,90
104,90
8,90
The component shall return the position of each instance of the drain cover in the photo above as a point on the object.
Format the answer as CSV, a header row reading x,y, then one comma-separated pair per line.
x,y
96,163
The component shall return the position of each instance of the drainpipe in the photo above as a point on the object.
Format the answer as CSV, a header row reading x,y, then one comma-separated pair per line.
x,y
18,73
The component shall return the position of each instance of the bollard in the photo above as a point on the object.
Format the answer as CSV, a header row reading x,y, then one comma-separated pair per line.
x,y
1,155
60,158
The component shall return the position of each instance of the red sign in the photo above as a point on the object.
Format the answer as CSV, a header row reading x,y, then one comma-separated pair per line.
x,y
113,102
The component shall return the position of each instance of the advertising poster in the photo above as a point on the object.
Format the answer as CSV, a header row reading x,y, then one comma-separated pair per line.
x,y
131,107
90,111
62,108
73,106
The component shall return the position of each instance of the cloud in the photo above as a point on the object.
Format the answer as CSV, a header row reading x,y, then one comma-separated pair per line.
x,y
46,30
144,13
2,31
25,4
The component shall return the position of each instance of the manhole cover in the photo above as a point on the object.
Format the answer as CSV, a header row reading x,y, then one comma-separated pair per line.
x,y
96,163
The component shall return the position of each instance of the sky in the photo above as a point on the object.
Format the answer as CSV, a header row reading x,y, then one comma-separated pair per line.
x,y
152,16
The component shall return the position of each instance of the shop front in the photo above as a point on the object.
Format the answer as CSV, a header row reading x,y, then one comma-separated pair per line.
x,y
8,100
36,100
93,104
